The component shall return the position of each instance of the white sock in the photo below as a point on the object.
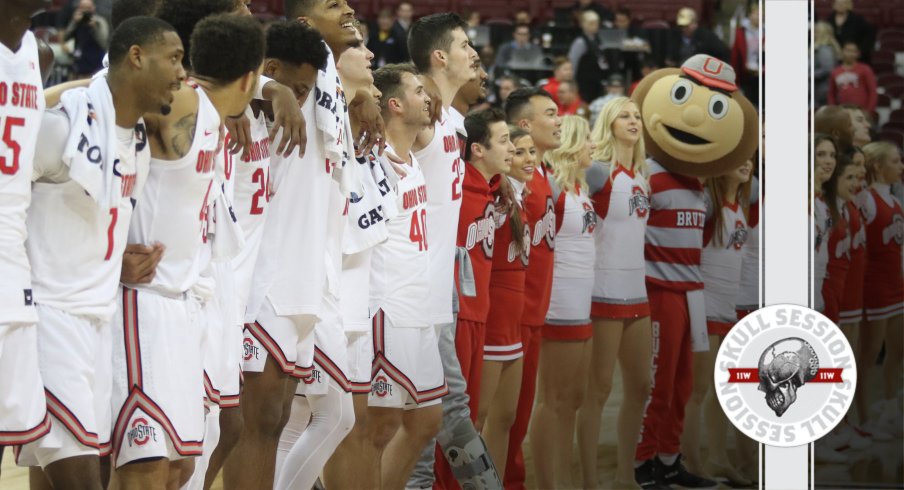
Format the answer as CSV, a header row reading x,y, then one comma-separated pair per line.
x,y
211,439
299,418
332,417
668,458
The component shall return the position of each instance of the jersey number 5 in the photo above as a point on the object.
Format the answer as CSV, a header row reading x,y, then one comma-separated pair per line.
x,y
418,233
9,166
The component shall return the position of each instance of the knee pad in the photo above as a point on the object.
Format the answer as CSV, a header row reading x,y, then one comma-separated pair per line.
x,y
471,464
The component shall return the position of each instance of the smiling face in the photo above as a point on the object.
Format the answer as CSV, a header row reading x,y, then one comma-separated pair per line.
x,y
335,21
355,66
742,174
824,162
861,127
628,125
693,129
415,103
524,161
847,183
497,155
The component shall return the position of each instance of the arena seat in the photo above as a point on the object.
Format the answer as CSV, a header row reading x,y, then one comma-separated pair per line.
x,y
893,136
886,79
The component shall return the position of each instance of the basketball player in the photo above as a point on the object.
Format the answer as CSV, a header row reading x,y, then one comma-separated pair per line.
x,y
23,410
535,111
471,93
76,286
488,154
157,389
440,50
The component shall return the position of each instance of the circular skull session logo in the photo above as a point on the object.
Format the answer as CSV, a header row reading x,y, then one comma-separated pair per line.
x,y
785,375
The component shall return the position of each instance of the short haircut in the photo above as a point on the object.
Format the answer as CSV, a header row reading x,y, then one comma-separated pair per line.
x,y
477,125
246,45
388,80
518,102
138,31
126,9
431,33
296,43
521,26
298,8
185,14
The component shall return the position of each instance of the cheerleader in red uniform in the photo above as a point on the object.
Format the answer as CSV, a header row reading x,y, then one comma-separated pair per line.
x,y
503,352
852,297
838,191
824,165
884,289
565,348
620,310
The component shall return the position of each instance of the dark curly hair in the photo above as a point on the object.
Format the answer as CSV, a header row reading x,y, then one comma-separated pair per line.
x,y
296,43
184,15
226,47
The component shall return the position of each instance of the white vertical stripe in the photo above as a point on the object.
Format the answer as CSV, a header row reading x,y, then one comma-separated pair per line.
x,y
787,242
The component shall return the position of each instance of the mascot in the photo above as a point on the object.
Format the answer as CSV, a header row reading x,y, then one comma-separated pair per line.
x,y
697,124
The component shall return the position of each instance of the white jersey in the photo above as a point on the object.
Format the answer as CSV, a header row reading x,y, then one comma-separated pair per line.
x,y
21,106
444,172
291,270
823,226
621,200
720,262
250,203
399,284
575,246
173,207
76,245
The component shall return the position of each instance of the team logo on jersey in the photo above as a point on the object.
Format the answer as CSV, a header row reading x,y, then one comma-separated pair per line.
x,y
589,218
546,227
738,236
785,375
381,387
638,202
141,433
483,231
895,231
525,248
250,349
314,377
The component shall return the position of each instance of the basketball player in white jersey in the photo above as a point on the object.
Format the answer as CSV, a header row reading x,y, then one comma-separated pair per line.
x,y
440,50
76,287
23,411
157,390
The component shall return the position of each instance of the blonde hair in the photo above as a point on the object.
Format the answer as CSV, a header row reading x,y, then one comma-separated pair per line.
x,y
604,138
564,160
876,154
823,34
718,191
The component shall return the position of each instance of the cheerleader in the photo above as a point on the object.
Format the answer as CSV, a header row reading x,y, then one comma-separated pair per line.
x,y
824,165
503,352
724,234
837,192
884,291
620,311
852,297
565,350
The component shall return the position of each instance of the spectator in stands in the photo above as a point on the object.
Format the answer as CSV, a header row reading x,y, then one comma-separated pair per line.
x,y
605,15
91,33
745,54
570,102
389,41
564,70
849,26
826,54
506,85
472,17
523,16
364,29
519,49
615,87
488,60
691,38
405,16
629,61
853,82
587,58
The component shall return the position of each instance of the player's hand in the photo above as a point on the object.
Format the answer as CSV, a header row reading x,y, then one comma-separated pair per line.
x,y
365,109
139,263
436,101
239,135
287,115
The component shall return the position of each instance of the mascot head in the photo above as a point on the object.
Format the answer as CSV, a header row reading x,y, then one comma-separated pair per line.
x,y
695,120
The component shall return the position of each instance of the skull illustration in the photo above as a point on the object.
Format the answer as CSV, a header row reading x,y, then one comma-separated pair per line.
x,y
784,367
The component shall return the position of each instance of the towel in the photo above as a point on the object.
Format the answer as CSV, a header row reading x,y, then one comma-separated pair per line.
x,y
90,151
331,118
366,223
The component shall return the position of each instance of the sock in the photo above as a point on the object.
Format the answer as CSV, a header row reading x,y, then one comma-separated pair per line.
x,y
668,459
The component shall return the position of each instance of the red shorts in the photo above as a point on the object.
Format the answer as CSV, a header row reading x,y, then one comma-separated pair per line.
x,y
619,311
503,328
852,299
718,328
567,332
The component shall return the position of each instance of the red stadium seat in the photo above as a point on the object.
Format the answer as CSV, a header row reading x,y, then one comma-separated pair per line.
x,y
886,79
896,116
883,100
883,67
893,45
895,90
890,35
883,57
892,136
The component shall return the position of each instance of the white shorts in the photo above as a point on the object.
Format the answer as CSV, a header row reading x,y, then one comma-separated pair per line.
x,y
158,377
330,354
289,340
222,343
23,408
360,360
407,371
74,354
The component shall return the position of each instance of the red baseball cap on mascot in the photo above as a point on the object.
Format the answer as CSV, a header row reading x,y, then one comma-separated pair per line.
x,y
696,121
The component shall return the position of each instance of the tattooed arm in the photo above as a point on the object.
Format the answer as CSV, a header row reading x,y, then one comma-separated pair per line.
x,y
171,136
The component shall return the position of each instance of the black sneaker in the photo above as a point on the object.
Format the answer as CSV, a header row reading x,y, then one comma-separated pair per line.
x,y
676,474
649,475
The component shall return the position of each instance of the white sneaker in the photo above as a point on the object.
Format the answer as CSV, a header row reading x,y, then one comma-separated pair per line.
x,y
829,456
878,432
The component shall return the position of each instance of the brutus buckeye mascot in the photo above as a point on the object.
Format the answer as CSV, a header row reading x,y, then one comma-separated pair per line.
x,y
697,124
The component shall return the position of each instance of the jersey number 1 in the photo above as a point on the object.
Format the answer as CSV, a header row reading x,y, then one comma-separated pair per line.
x,y
9,166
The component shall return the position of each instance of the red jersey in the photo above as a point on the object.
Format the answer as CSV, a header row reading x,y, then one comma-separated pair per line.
x,y
542,224
506,257
852,297
477,233
884,237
